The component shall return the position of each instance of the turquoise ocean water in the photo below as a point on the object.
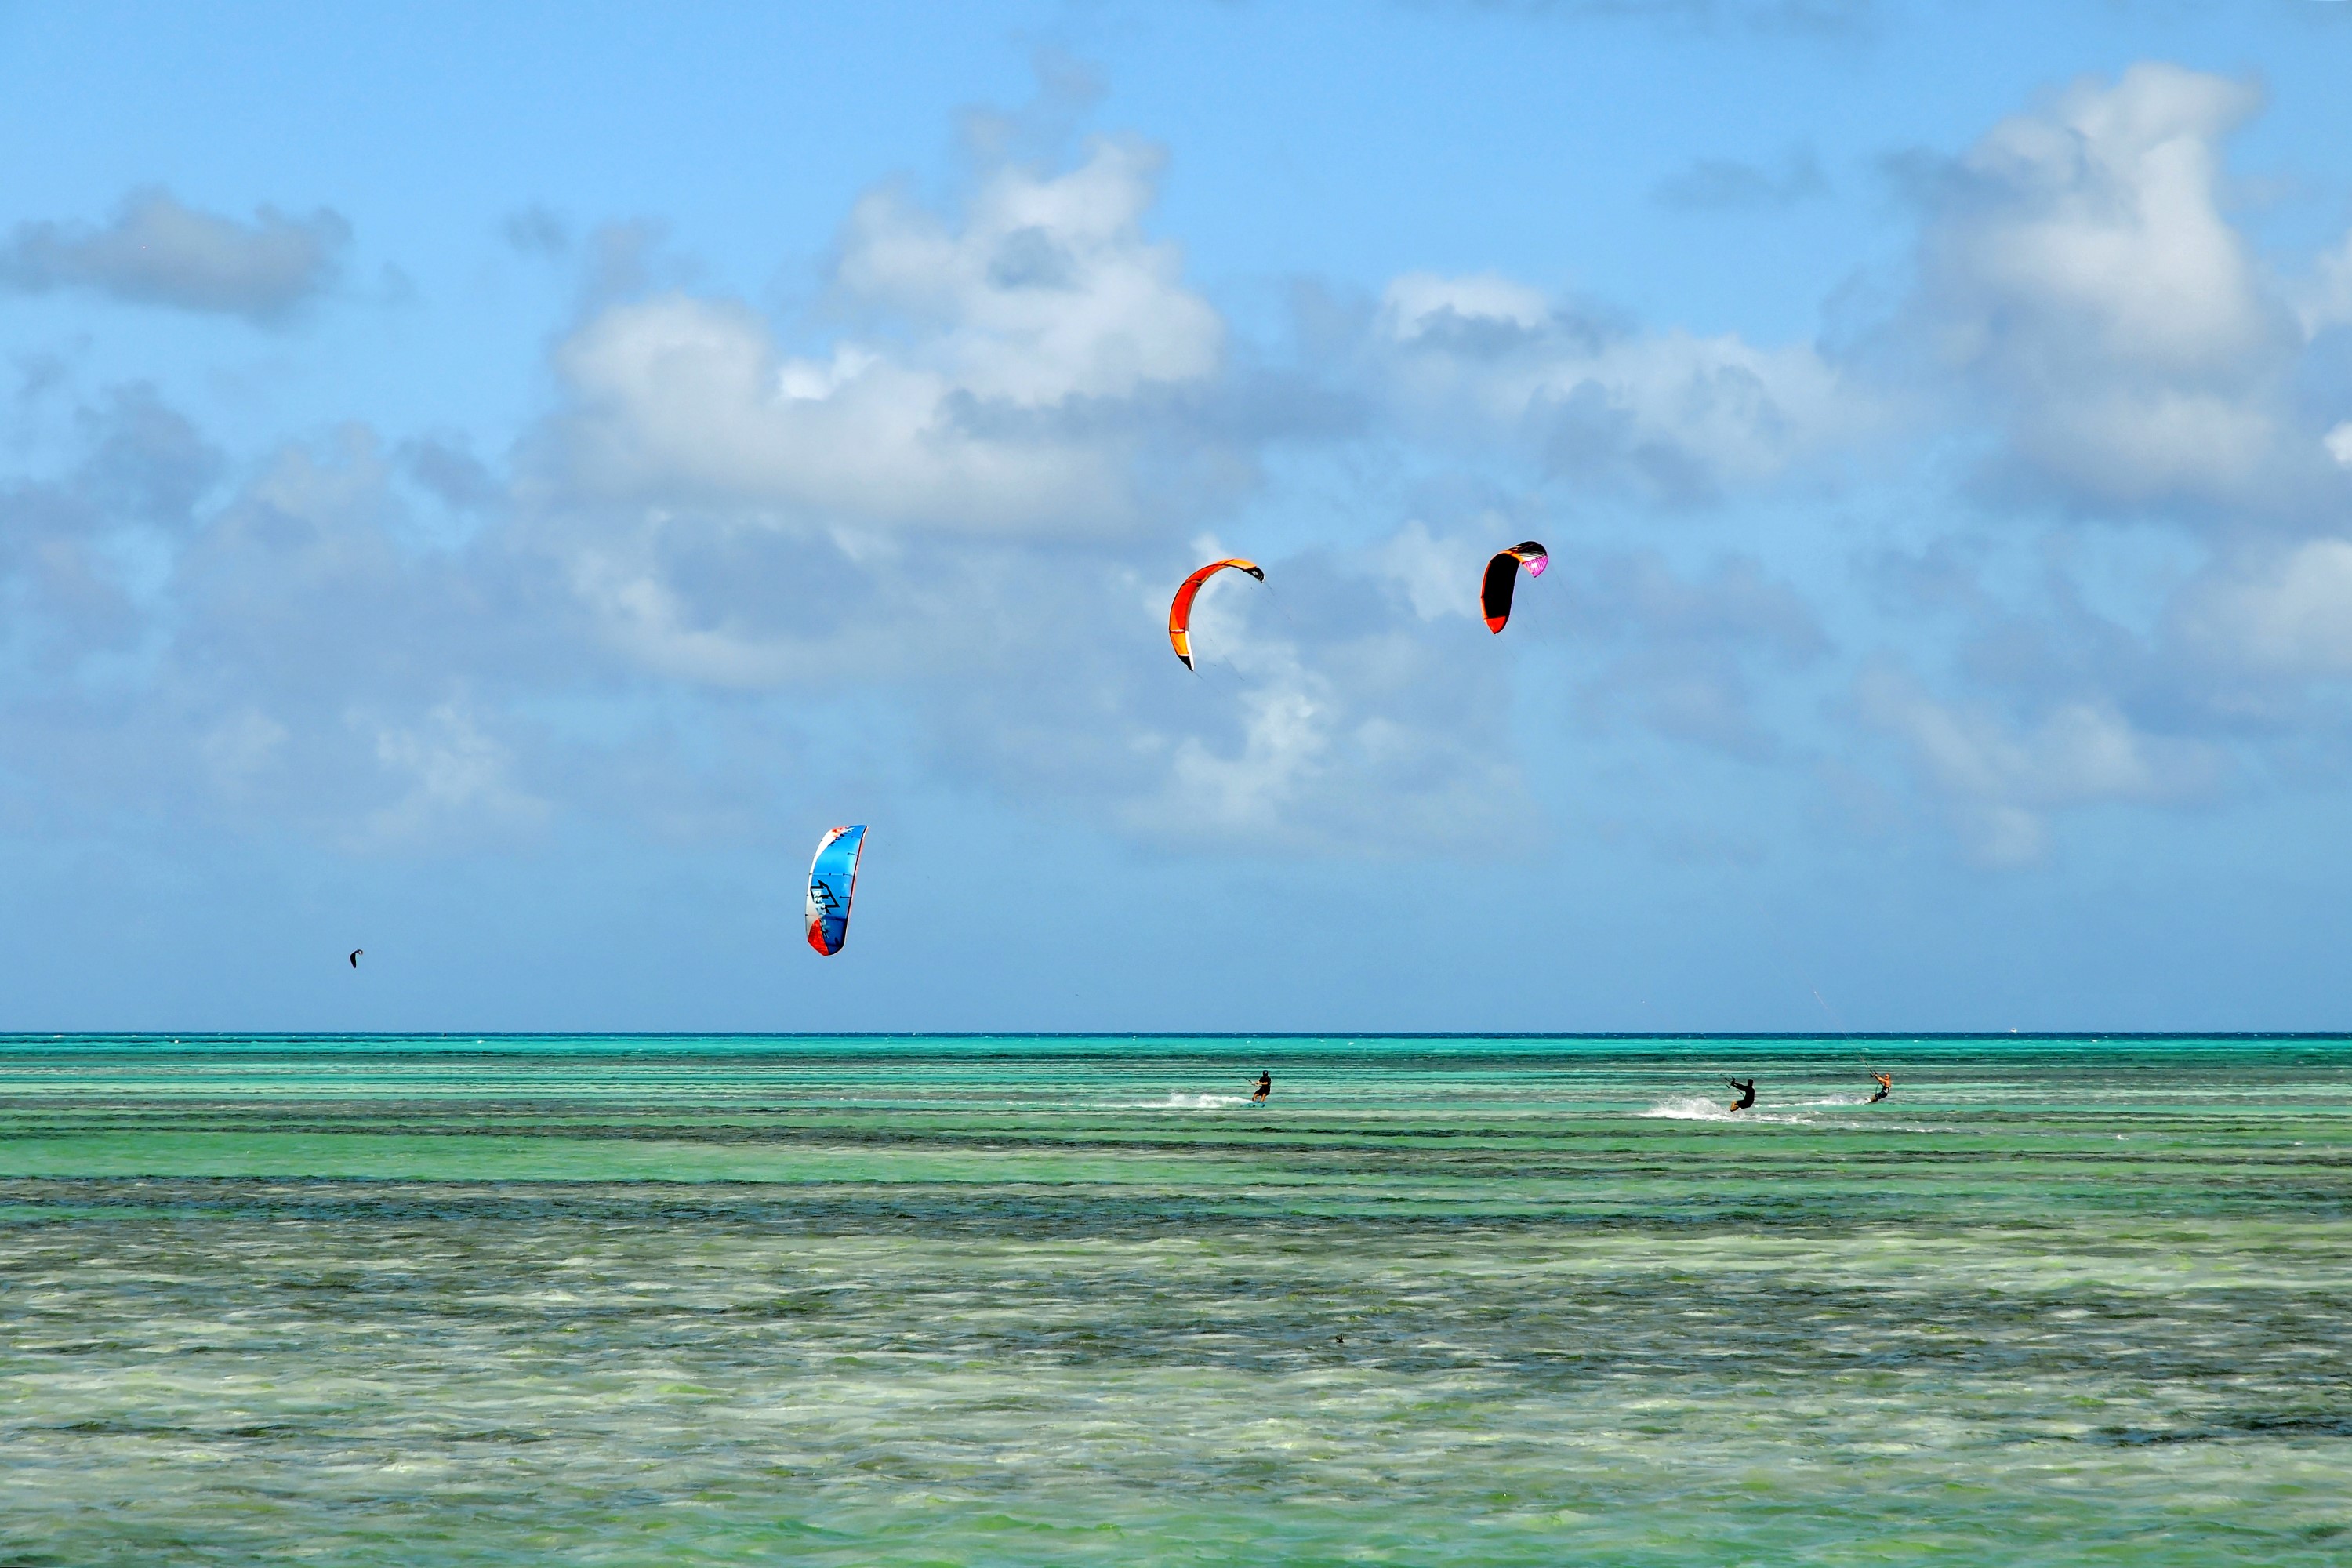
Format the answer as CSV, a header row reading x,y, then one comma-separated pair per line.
x,y
1017,1300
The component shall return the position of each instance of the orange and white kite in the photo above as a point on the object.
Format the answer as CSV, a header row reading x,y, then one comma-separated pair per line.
x,y
1180,614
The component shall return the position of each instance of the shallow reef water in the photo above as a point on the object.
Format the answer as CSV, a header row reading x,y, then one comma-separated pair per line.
x,y
1045,1301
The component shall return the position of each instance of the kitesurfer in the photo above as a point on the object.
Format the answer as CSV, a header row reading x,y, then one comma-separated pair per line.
x,y
1885,1087
1746,1093
1265,1089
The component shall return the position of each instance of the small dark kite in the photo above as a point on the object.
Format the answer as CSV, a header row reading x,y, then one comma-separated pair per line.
x,y
1503,576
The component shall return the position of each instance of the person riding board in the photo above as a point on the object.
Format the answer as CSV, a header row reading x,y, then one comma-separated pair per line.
x,y
1885,1087
1746,1093
1265,1089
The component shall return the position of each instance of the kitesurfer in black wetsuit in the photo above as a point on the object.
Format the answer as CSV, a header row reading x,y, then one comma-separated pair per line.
x,y
1885,1087
1265,1089
1746,1093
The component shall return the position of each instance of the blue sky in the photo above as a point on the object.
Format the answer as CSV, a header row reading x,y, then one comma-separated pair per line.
x,y
492,488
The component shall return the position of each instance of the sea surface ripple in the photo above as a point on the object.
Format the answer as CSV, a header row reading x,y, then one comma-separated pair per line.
x,y
1047,1301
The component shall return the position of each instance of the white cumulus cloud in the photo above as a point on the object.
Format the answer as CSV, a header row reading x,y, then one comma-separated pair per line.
x,y
2001,780
2288,612
2080,270
2339,442
1676,414
157,251
993,392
